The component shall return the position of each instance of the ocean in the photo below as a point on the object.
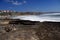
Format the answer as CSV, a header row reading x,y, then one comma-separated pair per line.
x,y
55,17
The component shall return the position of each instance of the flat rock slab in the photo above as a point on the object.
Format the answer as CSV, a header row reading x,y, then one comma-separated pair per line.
x,y
43,31
21,34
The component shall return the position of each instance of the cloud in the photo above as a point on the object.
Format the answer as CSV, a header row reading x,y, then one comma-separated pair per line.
x,y
16,2
24,1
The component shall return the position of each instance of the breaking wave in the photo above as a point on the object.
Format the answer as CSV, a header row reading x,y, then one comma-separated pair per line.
x,y
42,17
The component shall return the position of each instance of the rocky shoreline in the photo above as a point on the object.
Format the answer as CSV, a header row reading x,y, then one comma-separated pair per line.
x,y
30,30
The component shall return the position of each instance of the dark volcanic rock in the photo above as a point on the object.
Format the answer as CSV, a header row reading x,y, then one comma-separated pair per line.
x,y
24,22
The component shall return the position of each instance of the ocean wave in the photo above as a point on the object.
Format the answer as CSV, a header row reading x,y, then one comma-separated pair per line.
x,y
44,17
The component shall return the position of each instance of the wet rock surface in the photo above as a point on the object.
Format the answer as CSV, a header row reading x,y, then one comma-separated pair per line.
x,y
41,31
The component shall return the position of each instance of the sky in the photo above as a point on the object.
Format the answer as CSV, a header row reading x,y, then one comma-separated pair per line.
x,y
31,5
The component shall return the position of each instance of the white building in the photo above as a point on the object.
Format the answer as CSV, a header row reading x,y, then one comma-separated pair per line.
x,y
6,11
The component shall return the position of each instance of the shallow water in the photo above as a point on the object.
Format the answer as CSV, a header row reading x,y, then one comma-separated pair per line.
x,y
42,17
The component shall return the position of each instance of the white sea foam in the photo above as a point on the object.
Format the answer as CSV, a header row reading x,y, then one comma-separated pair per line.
x,y
41,18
